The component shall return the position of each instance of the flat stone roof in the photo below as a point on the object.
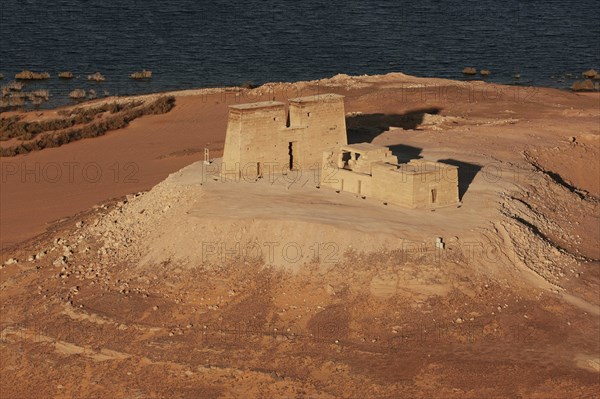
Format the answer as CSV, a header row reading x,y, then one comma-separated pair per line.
x,y
431,163
316,97
416,167
363,147
257,105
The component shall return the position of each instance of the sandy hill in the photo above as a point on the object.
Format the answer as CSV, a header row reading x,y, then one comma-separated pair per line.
x,y
192,287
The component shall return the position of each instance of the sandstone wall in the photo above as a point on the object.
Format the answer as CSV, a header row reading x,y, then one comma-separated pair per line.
x,y
259,140
414,185
320,124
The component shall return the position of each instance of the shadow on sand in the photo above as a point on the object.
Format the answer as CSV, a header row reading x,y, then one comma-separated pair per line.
x,y
364,128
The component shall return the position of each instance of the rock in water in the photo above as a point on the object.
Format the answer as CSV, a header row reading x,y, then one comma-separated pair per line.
x,y
65,75
28,75
96,77
590,74
77,94
583,85
141,75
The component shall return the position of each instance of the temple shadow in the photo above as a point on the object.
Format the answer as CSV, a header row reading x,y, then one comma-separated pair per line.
x,y
405,153
466,173
364,128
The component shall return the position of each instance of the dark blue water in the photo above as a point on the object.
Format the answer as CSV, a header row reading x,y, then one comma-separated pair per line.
x,y
191,43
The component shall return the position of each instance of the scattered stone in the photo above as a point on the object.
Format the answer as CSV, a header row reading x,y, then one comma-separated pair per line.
x,y
517,76
485,72
11,261
31,258
469,71
67,250
60,261
155,308
571,139
330,290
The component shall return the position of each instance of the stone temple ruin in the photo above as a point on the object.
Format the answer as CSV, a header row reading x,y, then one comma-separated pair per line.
x,y
264,137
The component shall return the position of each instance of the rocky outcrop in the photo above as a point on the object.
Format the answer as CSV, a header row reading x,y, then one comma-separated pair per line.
x,y
590,74
144,74
11,87
77,94
583,85
43,94
12,96
96,77
65,75
29,75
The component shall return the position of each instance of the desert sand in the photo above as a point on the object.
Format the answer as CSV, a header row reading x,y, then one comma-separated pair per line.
x,y
160,280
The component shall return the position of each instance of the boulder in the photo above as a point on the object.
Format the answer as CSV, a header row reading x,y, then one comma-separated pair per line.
x,y
65,75
470,71
590,74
